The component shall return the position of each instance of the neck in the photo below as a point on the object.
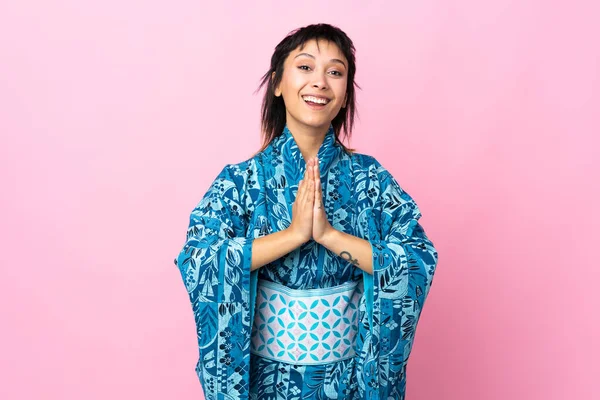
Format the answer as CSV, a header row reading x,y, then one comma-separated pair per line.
x,y
308,138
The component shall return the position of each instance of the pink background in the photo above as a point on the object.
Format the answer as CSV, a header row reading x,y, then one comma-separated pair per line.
x,y
116,116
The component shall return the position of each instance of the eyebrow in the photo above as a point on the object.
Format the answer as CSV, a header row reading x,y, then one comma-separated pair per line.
x,y
337,60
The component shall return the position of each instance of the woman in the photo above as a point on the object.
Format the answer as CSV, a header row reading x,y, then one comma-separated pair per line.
x,y
305,264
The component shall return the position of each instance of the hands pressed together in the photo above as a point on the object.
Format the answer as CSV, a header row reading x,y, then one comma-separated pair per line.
x,y
309,220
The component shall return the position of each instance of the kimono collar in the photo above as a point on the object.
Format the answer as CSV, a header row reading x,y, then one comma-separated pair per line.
x,y
293,162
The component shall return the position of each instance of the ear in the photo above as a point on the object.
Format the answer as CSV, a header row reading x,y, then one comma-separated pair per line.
x,y
275,90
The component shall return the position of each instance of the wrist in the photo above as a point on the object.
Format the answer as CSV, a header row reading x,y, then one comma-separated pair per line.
x,y
294,237
328,238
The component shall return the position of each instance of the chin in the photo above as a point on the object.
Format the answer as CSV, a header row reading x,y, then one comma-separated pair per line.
x,y
317,122
312,120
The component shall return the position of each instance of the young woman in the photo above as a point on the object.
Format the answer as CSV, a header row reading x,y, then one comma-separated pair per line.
x,y
305,264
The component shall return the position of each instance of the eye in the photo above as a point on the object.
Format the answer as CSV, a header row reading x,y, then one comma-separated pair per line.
x,y
307,68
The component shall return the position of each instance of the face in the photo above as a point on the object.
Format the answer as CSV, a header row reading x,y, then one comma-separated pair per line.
x,y
313,85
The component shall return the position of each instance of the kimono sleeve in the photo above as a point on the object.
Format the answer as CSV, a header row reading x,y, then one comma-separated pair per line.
x,y
215,266
403,249
404,263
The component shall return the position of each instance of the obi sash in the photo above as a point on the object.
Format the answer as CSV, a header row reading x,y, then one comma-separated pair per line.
x,y
308,326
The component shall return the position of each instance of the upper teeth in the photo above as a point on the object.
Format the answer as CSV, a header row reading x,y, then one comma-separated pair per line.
x,y
315,99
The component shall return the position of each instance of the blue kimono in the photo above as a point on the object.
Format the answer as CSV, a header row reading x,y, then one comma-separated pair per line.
x,y
254,198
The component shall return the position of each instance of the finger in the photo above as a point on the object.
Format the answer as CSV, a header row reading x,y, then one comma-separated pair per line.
x,y
301,184
318,204
304,188
318,198
309,183
306,183
312,190
301,191
318,193
318,181
298,194
316,174
319,188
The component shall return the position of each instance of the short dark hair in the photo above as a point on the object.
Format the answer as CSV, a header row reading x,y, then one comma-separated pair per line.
x,y
273,114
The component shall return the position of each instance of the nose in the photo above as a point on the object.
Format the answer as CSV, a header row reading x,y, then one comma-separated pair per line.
x,y
319,81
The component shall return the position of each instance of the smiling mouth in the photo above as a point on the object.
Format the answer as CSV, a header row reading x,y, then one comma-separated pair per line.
x,y
319,101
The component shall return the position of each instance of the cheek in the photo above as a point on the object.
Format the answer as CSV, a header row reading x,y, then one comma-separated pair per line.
x,y
339,87
297,82
295,79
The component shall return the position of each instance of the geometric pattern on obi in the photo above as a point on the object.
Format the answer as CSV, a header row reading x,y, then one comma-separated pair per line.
x,y
308,326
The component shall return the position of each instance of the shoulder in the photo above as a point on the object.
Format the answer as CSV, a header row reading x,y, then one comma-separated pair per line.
x,y
237,178
385,183
362,162
238,172
370,165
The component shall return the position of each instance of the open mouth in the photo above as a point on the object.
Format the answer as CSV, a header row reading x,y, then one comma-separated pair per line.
x,y
315,101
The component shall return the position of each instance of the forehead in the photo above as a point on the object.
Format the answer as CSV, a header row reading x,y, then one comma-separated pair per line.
x,y
325,49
